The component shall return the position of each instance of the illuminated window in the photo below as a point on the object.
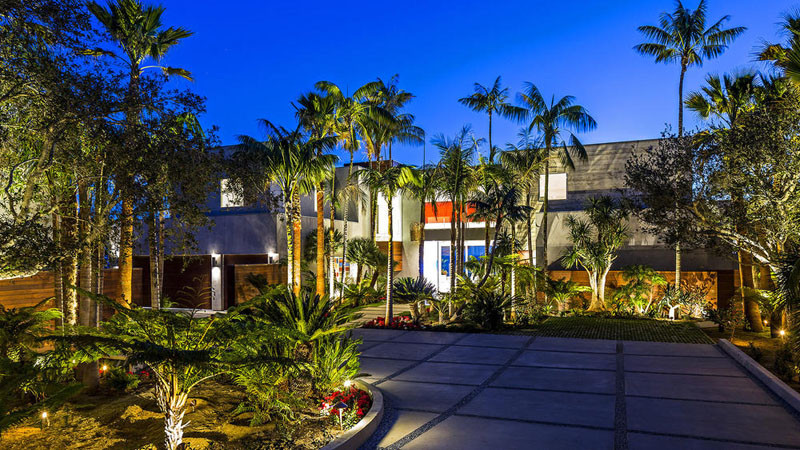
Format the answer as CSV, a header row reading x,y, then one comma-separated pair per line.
x,y
227,198
558,186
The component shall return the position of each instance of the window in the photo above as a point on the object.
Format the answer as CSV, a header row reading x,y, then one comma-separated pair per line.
x,y
228,199
557,189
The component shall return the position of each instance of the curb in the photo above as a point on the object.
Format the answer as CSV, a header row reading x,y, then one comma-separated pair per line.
x,y
355,437
773,383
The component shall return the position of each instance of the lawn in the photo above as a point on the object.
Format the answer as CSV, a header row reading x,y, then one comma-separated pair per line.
x,y
586,327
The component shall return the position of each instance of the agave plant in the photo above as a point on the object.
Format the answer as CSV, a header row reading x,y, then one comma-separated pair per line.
x,y
413,291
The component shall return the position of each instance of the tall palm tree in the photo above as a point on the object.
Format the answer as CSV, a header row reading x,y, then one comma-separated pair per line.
x,y
296,169
424,192
138,31
682,37
455,175
388,183
492,100
555,121
316,114
525,161
353,115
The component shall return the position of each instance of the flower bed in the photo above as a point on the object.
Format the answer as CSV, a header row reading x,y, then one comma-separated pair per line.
x,y
358,403
397,323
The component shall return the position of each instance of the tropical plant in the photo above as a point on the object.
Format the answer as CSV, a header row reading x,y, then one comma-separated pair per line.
x,y
487,309
563,291
360,294
181,350
724,98
388,182
138,31
554,122
492,100
425,191
595,242
365,253
294,164
786,58
335,363
21,329
640,287
682,37
415,292
315,113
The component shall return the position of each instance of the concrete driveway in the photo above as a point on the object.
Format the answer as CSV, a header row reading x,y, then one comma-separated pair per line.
x,y
483,391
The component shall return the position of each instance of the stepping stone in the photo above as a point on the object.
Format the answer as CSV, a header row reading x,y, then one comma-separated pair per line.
x,y
449,373
428,337
494,340
567,360
542,406
399,350
743,423
402,423
483,355
670,349
640,441
474,433
425,396
682,365
574,345
583,381
696,387
381,368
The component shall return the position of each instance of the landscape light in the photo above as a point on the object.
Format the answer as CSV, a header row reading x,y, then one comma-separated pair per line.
x,y
341,406
766,323
44,414
782,333
45,420
348,383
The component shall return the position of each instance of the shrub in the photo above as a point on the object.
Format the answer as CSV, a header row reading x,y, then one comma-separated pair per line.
x,y
358,403
398,322
335,361
122,380
413,291
487,309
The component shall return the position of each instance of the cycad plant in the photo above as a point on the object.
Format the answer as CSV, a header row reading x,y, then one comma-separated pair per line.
x,y
641,283
595,242
415,292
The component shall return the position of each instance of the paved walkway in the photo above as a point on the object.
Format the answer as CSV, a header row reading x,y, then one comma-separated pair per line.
x,y
482,391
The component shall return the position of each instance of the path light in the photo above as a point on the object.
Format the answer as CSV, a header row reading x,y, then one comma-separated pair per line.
x,y
45,419
782,333
341,406
348,383
766,322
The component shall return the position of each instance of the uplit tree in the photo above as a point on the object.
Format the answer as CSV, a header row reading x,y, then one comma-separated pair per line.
x,y
493,100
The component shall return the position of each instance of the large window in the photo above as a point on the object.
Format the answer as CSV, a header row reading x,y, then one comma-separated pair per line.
x,y
228,199
557,189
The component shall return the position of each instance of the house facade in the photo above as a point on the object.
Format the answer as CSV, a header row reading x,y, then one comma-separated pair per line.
x,y
254,235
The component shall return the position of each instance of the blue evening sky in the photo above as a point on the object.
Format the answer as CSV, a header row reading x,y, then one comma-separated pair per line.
x,y
252,58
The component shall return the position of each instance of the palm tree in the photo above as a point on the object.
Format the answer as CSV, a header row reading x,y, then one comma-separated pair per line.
x,y
425,191
316,114
787,57
595,242
562,291
296,169
353,115
388,182
525,161
503,201
455,177
553,121
682,37
492,100
138,31
724,97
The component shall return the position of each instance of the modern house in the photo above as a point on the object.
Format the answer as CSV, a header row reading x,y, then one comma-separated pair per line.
x,y
247,236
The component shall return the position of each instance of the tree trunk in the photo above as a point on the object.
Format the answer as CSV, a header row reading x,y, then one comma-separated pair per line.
x,y
70,240
297,224
86,304
289,249
422,240
320,288
126,253
680,99
596,281
344,225
331,234
173,405
155,263
545,206
491,148
389,268
513,265
750,305
678,265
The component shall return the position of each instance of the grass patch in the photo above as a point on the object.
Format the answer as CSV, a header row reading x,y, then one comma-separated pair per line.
x,y
586,327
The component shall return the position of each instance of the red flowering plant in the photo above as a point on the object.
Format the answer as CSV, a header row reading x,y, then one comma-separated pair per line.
x,y
397,323
358,403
